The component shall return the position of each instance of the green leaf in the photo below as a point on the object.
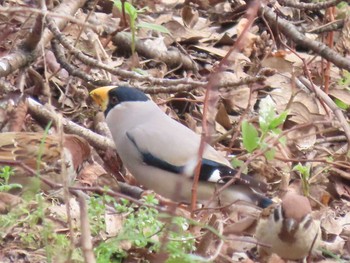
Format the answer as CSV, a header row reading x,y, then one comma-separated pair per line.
x,y
150,199
129,9
304,170
155,27
341,104
239,163
278,120
250,136
345,80
266,113
8,187
270,154
236,163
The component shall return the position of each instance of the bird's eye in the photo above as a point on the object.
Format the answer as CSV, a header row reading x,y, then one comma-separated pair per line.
x,y
114,101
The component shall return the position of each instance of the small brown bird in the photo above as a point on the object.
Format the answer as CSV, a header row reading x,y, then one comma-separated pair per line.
x,y
162,153
288,229
42,153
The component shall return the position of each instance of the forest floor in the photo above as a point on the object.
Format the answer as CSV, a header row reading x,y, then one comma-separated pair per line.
x,y
267,83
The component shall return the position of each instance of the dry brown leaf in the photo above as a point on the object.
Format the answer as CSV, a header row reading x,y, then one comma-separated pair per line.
x,y
299,113
343,43
59,211
341,93
250,38
104,22
54,67
114,223
90,174
7,201
341,186
278,63
201,31
304,138
222,8
212,50
179,32
312,103
16,121
222,117
191,122
78,147
189,16
237,100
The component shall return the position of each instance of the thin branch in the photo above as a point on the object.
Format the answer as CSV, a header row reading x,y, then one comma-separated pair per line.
x,y
42,112
309,6
288,29
86,238
330,103
20,58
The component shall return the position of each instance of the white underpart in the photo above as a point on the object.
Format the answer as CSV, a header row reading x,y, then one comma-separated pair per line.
x,y
215,176
190,167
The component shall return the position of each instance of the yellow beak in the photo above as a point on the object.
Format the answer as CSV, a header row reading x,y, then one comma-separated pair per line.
x,y
100,96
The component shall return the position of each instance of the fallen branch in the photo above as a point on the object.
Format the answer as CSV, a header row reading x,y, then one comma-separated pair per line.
x,y
21,57
173,58
309,6
292,33
41,112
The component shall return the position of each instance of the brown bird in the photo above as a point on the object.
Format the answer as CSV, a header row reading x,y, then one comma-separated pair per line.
x,y
42,154
288,229
162,154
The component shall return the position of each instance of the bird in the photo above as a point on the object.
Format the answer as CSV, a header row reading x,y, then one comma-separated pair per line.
x,y
162,154
30,153
288,229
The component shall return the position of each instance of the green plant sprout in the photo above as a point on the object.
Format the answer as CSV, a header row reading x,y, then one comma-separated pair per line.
x,y
42,147
5,173
304,172
344,82
144,228
269,123
35,232
133,13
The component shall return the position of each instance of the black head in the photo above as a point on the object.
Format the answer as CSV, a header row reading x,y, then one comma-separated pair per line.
x,y
122,94
109,96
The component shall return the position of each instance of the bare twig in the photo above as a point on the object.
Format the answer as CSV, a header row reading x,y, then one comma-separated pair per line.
x,y
330,103
55,14
173,58
97,141
184,84
310,6
212,82
86,239
20,58
292,33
